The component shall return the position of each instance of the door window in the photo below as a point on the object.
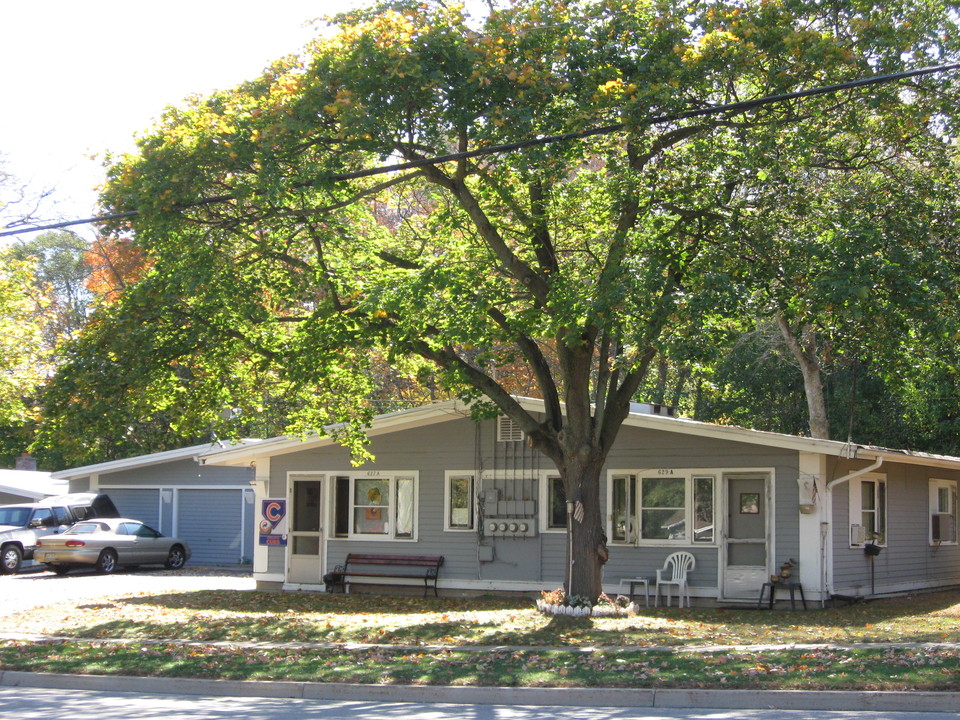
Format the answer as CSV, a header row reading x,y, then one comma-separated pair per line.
x,y
305,535
746,522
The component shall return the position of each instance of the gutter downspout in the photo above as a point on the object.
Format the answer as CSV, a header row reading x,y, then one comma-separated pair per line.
x,y
855,474
826,537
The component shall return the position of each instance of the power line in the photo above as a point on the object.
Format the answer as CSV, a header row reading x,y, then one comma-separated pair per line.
x,y
730,108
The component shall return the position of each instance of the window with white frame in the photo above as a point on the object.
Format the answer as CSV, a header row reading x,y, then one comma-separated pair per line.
x,y
661,507
943,511
868,510
623,520
558,502
459,501
704,524
553,502
380,506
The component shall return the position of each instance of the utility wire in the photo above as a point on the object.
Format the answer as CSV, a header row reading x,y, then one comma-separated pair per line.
x,y
730,108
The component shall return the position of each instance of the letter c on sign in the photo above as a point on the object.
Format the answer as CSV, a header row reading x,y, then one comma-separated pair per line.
x,y
273,512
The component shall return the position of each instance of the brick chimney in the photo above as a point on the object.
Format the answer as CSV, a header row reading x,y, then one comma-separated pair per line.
x,y
26,462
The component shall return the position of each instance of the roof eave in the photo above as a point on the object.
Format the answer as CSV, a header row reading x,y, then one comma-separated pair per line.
x,y
194,451
381,424
429,414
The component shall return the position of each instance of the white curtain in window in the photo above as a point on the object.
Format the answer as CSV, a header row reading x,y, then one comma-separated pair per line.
x,y
404,506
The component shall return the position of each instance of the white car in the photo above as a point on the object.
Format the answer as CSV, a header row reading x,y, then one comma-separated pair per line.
x,y
108,543
23,523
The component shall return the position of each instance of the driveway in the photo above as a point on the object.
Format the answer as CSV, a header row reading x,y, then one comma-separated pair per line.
x,y
35,588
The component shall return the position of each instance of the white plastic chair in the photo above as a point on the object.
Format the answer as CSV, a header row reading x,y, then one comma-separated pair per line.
x,y
674,572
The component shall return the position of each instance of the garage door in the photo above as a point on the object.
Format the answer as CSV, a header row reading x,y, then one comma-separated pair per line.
x,y
143,505
211,521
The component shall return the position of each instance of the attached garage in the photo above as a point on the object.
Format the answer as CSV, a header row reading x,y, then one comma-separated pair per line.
x,y
209,507
140,504
207,519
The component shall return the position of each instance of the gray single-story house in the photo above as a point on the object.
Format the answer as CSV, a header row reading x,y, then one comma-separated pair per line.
x,y
209,507
743,502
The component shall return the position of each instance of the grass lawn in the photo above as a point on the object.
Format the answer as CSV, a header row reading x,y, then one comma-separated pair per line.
x,y
492,641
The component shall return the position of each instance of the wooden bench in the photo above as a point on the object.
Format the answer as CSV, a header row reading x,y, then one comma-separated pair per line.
x,y
415,567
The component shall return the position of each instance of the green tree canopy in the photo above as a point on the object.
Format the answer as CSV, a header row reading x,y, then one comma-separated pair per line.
x,y
857,256
23,355
60,274
272,254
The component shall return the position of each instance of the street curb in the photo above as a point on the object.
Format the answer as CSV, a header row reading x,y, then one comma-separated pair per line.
x,y
946,702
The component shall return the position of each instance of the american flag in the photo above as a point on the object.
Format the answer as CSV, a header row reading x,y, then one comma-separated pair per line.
x,y
578,507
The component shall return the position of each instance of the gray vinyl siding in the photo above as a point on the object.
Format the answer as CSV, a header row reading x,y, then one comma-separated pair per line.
x,y
78,485
208,521
14,499
458,444
177,473
908,560
277,561
643,449
429,451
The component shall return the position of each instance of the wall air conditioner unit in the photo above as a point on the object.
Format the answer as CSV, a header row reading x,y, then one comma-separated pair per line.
x,y
858,535
942,528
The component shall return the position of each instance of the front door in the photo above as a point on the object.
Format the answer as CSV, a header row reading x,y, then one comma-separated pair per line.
x,y
306,533
745,540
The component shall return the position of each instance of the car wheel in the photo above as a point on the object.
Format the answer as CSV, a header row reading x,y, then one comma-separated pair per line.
x,y
11,558
107,562
176,558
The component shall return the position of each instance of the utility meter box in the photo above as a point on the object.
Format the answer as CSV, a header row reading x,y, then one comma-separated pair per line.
x,y
510,527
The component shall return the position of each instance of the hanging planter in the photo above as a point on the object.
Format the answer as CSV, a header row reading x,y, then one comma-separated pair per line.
x,y
871,549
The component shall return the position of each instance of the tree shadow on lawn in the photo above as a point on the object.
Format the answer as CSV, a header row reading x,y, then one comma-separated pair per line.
x,y
945,603
321,602
320,618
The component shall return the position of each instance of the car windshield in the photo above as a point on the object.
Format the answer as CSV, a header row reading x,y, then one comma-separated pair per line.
x,y
85,528
14,515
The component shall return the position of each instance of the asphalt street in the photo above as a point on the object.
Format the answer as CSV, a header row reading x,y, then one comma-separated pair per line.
x,y
26,703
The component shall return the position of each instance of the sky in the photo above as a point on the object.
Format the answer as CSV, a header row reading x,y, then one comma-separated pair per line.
x,y
80,78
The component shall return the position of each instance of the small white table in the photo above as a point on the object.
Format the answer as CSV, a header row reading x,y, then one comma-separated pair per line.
x,y
633,583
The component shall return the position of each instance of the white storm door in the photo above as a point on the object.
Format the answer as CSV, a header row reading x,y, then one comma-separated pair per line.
x,y
745,553
306,530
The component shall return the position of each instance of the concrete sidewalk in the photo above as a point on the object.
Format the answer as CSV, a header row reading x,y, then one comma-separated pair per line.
x,y
926,702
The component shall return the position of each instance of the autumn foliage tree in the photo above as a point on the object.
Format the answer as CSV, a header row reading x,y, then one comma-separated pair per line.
x,y
266,238
113,264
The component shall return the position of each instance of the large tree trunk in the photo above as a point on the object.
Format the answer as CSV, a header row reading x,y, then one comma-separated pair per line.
x,y
581,451
586,540
805,351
